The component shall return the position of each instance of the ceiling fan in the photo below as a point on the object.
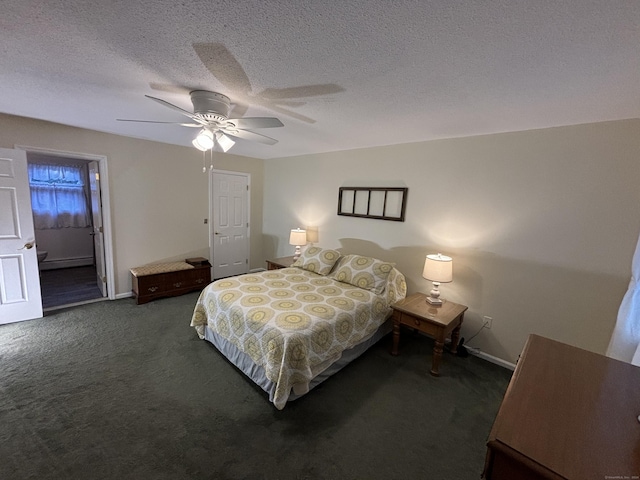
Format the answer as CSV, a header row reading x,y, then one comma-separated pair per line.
x,y
211,115
228,71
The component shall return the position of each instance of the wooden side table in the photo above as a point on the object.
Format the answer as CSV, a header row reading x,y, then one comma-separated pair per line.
x,y
277,263
436,321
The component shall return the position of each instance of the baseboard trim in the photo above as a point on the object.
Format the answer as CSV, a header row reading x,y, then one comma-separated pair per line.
x,y
485,356
120,296
491,358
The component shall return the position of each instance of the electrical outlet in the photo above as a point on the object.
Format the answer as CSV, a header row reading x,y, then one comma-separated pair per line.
x,y
487,321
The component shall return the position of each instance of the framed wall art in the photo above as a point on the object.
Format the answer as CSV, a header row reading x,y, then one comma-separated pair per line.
x,y
382,203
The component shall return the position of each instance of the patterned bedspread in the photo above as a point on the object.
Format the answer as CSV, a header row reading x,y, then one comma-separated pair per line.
x,y
292,322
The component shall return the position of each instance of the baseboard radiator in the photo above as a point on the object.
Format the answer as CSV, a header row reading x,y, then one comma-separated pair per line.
x,y
66,263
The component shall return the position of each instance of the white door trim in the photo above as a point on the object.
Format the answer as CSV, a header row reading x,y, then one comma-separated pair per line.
x,y
211,196
106,204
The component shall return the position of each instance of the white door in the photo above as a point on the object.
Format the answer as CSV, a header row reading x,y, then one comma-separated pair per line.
x,y
20,297
98,230
230,224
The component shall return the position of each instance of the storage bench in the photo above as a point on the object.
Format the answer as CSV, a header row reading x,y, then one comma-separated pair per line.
x,y
169,279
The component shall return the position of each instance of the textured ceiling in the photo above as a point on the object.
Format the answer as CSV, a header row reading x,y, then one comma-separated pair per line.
x,y
339,74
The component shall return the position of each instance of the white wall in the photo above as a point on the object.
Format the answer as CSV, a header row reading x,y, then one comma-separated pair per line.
x,y
159,195
541,224
65,247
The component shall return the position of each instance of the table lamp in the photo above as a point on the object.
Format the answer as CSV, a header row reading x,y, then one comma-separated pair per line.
x,y
439,269
298,237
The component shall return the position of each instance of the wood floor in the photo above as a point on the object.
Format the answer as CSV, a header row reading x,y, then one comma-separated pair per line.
x,y
66,286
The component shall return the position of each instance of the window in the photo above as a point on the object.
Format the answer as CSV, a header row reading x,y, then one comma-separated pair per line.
x,y
58,196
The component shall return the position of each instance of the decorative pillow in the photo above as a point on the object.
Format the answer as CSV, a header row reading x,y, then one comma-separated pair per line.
x,y
364,272
396,287
317,260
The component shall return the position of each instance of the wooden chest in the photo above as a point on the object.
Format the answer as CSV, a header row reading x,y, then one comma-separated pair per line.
x,y
168,280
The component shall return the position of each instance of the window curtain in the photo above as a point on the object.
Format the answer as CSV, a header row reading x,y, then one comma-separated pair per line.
x,y
625,341
59,198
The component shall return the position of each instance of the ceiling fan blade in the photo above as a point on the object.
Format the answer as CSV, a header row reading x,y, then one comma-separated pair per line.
x,y
199,125
224,66
172,106
247,135
238,110
284,111
288,103
301,92
250,123
169,88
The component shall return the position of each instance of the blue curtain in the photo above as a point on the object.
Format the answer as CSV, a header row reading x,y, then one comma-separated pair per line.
x,y
58,196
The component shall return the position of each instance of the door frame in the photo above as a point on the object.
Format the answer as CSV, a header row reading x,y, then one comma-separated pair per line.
x,y
106,203
210,220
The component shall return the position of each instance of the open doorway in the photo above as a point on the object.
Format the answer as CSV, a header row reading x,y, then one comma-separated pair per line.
x,y
68,215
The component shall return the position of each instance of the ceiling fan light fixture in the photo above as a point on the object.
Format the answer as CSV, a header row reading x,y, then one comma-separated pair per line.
x,y
204,140
197,145
225,142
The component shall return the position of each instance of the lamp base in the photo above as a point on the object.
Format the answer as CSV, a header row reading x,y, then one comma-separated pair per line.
x,y
434,295
434,301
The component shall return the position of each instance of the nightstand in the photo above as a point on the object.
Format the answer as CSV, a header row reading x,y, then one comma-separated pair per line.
x,y
282,262
436,321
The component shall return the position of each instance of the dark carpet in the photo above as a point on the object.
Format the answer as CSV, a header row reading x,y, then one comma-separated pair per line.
x,y
113,390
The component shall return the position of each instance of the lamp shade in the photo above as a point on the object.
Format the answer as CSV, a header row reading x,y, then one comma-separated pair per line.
x,y
204,140
225,142
438,268
198,146
298,237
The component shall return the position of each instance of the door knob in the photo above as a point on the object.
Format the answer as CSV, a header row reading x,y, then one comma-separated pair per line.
x,y
28,246
217,233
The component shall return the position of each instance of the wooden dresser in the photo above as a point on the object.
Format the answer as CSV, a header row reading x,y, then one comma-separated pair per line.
x,y
567,414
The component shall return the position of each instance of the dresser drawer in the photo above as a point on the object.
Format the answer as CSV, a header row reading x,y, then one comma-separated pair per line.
x,y
418,323
149,284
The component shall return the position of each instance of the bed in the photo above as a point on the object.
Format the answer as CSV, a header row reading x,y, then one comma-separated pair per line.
x,y
290,329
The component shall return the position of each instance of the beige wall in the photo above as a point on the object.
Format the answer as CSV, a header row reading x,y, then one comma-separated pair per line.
x,y
159,195
541,224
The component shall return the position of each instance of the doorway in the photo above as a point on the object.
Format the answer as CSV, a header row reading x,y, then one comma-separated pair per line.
x,y
72,258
